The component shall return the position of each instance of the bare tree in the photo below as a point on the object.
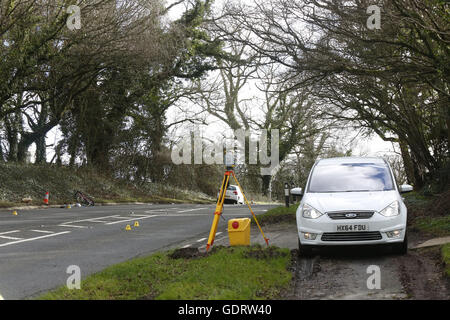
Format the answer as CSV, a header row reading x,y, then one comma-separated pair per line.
x,y
273,105
393,81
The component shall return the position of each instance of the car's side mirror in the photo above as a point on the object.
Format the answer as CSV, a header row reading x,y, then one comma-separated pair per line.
x,y
405,188
297,192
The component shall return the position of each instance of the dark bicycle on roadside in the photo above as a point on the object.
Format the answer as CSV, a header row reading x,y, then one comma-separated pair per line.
x,y
83,199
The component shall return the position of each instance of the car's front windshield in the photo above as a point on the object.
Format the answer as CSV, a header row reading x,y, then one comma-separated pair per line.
x,y
350,177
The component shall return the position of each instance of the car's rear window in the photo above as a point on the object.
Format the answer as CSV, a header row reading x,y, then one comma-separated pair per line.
x,y
350,177
232,188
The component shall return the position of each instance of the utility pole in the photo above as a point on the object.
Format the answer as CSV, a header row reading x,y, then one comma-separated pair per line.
x,y
286,194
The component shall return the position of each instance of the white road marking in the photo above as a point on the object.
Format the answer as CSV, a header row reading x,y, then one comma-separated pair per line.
x,y
134,215
220,239
186,246
32,239
43,231
218,233
164,210
226,214
120,217
10,238
179,214
202,239
139,218
90,220
191,209
1,298
72,226
8,232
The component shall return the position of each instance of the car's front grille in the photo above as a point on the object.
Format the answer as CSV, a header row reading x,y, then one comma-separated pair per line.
x,y
351,236
350,215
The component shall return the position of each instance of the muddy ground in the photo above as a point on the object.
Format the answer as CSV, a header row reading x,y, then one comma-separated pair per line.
x,y
344,273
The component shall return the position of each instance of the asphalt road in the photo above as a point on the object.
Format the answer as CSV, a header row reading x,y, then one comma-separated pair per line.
x,y
37,246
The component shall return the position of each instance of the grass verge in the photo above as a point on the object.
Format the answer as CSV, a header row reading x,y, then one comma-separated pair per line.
x,y
279,214
153,199
429,216
26,185
225,273
436,226
416,200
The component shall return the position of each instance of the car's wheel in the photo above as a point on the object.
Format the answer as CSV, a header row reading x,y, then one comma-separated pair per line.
x,y
401,248
304,251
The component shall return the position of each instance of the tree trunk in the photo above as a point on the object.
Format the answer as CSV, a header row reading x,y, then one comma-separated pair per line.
x,y
23,146
72,149
13,125
407,163
265,184
41,154
2,159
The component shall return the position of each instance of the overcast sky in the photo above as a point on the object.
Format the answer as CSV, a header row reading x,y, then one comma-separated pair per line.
x,y
373,146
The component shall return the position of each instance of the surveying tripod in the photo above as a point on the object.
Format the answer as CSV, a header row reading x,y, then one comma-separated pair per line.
x,y
219,207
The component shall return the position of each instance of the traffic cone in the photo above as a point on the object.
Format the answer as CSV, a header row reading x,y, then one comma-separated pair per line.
x,y
136,224
128,228
46,198
15,213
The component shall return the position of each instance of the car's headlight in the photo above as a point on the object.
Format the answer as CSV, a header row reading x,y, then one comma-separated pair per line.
x,y
309,212
391,210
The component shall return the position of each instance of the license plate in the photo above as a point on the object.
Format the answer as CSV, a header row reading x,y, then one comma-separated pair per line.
x,y
352,227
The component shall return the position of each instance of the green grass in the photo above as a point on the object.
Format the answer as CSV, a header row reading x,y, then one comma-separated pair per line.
x,y
225,273
18,181
436,226
425,213
154,199
445,252
417,200
8,204
278,214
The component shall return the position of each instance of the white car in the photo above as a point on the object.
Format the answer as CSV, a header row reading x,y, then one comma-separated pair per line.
x,y
233,194
351,201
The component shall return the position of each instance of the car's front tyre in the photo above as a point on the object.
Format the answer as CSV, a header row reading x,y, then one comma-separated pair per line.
x,y
402,247
304,250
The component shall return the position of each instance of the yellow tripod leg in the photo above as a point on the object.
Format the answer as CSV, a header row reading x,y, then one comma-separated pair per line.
x,y
218,211
250,208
